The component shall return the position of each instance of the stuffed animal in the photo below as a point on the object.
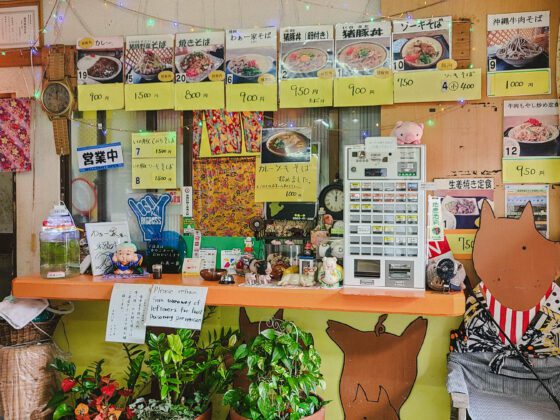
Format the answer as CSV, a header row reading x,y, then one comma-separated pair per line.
x,y
329,274
408,132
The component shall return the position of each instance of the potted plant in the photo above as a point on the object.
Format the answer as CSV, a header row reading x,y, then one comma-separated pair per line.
x,y
92,395
283,368
189,374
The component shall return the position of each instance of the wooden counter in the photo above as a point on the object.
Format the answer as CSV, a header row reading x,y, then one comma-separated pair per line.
x,y
345,300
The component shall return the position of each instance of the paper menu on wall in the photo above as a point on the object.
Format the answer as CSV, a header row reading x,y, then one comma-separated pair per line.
x,y
154,163
102,239
176,307
126,320
517,197
208,256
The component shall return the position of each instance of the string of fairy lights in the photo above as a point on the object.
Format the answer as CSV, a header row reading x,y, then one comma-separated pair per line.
x,y
56,17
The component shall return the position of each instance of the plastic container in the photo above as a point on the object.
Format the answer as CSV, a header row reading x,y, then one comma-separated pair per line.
x,y
60,245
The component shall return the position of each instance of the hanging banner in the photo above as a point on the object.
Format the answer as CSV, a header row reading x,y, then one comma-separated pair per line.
x,y
307,66
149,72
518,54
100,73
251,83
363,62
420,44
199,71
154,163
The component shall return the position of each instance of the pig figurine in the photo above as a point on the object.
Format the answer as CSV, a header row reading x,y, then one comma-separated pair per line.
x,y
408,132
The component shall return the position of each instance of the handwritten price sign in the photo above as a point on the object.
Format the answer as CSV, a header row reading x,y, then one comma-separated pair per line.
x,y
306,93
432,86
100,97
540,171
363,91
149,96
461,242
203,95
252,97
519,83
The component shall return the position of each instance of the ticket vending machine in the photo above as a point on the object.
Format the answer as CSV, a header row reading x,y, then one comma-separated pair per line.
x,y
384,212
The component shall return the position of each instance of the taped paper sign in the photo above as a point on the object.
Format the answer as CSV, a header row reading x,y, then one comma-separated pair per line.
x,y
126,321
176,307
100,157
154,163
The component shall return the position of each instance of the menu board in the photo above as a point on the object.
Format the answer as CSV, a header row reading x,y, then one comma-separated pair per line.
x,y
307,66
363,62
154,163
518,54
517,197
420,44
149,72
199,71
251,70
100,73
531,128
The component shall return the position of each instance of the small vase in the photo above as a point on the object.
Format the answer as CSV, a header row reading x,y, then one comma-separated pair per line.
x,y
318,415
207,415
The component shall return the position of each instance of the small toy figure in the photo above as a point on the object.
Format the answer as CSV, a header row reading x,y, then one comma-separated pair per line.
x,y
250,279
126,260
330,275
262,270
307,279
408,132
242,266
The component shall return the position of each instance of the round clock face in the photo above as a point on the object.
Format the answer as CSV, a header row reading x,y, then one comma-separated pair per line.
x,y
56,98
334,201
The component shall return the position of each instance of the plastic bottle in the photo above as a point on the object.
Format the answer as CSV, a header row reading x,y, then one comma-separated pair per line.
x,y
59,245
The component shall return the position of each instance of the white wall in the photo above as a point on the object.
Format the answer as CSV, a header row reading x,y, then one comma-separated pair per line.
x,y
39,189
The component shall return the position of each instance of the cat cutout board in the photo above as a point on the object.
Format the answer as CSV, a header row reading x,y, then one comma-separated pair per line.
x,y
516,263
379,368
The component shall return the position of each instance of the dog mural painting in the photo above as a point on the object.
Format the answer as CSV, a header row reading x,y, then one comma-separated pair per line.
x,y
379,368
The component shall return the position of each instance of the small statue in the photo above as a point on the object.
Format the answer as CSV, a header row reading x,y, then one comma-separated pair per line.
x,y
307,279
250,279
408,132
330,274
262,270
126,260
242,266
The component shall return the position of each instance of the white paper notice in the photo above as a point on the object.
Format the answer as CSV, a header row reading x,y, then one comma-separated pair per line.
x,y
126,322
176,307
385,146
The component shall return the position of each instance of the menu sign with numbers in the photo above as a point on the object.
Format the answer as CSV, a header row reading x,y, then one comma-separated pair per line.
x,y
251,83
518,54
154,163
149,72
420,44
363,61
307,66
199,71
100,73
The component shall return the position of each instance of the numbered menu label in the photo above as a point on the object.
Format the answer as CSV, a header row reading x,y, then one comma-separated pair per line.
x,y
100,73
518,54
461,242
307,66
149,72
251,82
536,171
430,86
199,71
154,164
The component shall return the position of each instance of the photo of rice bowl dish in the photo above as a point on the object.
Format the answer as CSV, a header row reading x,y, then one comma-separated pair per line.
x,y
422,52
305,60
361,56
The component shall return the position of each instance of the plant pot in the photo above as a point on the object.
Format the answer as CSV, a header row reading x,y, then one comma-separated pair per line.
x,y
318,415
207,415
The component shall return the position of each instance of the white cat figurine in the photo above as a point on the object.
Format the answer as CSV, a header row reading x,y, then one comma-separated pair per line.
x,y
329,275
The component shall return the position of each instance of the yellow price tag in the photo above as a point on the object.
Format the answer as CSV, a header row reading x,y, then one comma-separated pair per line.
x,y
519,83
383,72
326,74
217,76
447,64
306,93
531,170
101,97
149,96
363,91
432,86
85,43
252,97
165,76
203,95
461,242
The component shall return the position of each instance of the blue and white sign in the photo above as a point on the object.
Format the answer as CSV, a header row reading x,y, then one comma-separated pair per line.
x,y
100,157
150,214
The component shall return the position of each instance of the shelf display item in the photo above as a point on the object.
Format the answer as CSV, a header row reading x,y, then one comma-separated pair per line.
x,y
126,260
408,132
330,273
59,245
307,279
385,224
331,199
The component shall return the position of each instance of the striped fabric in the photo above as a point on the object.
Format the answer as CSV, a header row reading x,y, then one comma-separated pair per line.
x,y
512,322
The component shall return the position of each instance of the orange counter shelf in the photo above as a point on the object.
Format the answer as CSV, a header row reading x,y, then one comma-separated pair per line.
x,y
90,288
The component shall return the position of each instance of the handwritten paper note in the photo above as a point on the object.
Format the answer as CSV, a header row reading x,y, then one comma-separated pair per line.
x,y
102,239
176,307
154,163
126,321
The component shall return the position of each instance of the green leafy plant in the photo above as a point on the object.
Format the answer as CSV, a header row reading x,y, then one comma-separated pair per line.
x,y
92,395
189,372
283,368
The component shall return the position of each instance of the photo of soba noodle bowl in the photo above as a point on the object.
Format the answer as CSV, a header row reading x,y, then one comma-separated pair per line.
x,y
362,56
534,137
519,51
